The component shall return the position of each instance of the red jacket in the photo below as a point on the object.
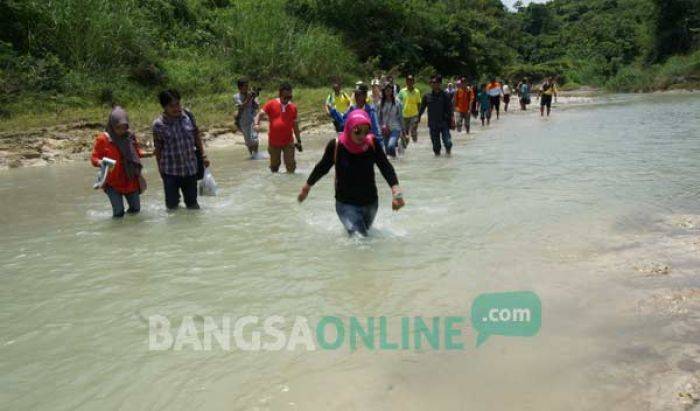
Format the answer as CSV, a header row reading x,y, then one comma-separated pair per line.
x,y
117,178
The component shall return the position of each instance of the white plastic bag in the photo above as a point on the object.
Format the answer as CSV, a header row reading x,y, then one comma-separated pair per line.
x,y
106,165
207,187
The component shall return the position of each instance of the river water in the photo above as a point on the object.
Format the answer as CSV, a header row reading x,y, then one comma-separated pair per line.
x,y
594,209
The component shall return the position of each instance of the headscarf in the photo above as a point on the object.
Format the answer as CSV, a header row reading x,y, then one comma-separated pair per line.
x,y
125,143
356,118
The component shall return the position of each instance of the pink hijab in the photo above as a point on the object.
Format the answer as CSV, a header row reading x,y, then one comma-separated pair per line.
x,y
356,118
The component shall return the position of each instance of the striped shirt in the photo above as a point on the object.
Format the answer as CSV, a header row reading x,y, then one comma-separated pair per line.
x,y
174,138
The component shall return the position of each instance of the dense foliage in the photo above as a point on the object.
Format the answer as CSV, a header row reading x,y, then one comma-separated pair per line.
x,y
101,50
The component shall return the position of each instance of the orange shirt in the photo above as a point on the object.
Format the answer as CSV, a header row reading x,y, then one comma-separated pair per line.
x,y
281,132
463,98
117,178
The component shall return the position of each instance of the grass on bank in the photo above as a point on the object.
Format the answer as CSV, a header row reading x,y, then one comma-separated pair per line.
x,y
213,110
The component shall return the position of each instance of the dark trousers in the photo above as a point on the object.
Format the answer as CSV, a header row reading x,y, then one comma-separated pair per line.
x,y
436,133
174,184
355,218
117,200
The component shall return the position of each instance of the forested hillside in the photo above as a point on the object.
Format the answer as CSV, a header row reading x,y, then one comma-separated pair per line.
x,y
91,51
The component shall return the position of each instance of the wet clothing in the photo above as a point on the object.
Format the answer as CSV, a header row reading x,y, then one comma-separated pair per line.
x,y
117,177
546,100
354,173
410,100
175,138
282,118
174,184
116,199
441,133
410,126
495,102
355,218
463,118
279,153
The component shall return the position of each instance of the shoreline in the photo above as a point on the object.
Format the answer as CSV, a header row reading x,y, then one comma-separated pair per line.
x,y
69,142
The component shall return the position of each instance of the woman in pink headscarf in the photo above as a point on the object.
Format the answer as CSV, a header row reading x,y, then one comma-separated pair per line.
x,y
354,156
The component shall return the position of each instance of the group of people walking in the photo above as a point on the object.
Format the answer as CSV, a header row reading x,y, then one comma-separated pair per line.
x,y
371,129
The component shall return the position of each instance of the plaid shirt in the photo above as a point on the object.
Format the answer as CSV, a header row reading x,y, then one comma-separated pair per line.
x,y
175,140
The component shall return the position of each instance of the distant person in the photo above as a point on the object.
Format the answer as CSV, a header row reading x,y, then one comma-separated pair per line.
x,y
178,144
362,104
410,99
495,92
547,90
340,101
247,106
463,101
376,98
524,93
450,91
284,126
390,80
390,120
354,155
485,106
475,101
506,97
124,179
440,115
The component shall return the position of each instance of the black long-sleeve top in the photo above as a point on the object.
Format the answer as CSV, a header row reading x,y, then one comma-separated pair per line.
x,y
440,109
354,173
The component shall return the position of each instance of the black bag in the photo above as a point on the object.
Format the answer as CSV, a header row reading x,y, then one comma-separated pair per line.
x,y
200,164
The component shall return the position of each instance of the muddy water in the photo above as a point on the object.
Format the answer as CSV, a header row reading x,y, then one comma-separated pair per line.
x,y
595,209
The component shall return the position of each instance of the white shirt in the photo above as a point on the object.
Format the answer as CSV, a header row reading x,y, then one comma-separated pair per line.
x,y
506,90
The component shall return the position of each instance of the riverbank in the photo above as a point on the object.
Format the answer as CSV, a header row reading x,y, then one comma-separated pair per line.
x,y
47,137
44,138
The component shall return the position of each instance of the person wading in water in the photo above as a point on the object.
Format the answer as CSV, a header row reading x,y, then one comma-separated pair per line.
x,y
354,154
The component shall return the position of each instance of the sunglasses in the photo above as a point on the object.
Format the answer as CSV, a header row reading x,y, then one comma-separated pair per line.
x,y
360,130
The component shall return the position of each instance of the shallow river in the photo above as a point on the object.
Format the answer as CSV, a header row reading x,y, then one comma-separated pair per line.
x,y
594,209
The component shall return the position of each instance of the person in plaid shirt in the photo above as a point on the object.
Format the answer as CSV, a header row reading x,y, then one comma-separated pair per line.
x,y
175,137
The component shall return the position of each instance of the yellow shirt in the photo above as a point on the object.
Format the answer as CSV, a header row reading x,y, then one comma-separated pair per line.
x,y
340,103
410,101
551,90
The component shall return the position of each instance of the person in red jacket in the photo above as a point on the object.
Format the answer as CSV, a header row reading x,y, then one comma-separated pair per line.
x,y
124,178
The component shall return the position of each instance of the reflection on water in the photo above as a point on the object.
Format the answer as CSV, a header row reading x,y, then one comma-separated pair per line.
x,y
566,206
